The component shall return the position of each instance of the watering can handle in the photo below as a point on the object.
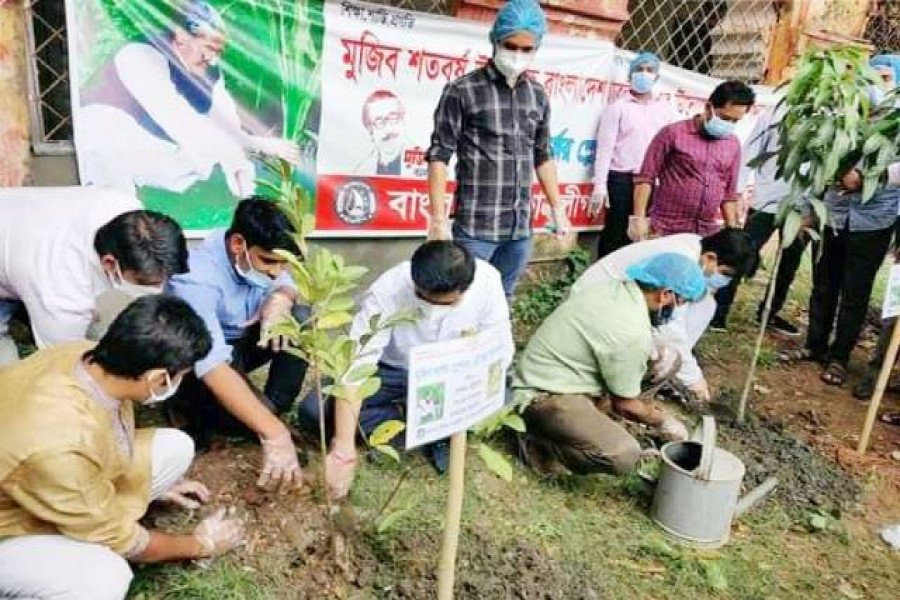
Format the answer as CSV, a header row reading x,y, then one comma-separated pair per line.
x,y
709,447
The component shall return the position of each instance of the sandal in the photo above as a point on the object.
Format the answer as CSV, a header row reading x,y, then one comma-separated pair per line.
x,y
803,355
891,418
834,374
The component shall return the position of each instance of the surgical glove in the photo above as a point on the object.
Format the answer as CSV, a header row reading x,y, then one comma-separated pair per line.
x,y
275,309
672,429
638,228
181,493
599,199
560,222
217,534
700,390
339,472
280,467
665,361
439,229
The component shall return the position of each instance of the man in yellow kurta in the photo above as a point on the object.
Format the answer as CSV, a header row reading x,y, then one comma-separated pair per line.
x,y
75,475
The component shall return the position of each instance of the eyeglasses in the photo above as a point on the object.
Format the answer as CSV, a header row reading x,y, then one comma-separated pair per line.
x,y
390,119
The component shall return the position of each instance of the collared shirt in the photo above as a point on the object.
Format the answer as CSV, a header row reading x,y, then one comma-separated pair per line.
x,y
483,308
626,128
693,177
847,212
47,255
61,469
768,192
225,301
596,341
123,431
500,135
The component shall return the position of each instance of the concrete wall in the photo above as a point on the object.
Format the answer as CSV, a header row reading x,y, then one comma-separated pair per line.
x,y
14,135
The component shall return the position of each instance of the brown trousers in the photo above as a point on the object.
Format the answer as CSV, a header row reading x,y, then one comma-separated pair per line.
x,y
579,435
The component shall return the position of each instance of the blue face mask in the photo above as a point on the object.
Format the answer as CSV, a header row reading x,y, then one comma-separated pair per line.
x,y
641,82
718,127
251,275
717,281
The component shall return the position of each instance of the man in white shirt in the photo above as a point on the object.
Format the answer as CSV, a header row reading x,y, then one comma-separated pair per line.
x,y
75,257
158,114
455,294
722,256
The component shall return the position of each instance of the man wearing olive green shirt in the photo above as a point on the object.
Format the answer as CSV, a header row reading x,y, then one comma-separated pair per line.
x,y
75,475
596,344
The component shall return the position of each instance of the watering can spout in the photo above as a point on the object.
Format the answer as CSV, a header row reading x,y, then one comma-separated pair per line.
x,y
752,497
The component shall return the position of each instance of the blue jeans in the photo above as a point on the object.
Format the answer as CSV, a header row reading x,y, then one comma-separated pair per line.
x,y
509,257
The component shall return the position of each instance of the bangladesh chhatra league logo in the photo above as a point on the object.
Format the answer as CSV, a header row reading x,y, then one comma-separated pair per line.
x,y
355,203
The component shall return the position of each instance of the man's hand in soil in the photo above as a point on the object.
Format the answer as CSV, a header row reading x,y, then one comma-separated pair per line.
x,y
218,534
700,390
339,471
181,494
280,468
672,429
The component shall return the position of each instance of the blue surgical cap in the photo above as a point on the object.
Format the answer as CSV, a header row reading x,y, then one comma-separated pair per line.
x,y
201,15
644,58
671,271
891,61
517,16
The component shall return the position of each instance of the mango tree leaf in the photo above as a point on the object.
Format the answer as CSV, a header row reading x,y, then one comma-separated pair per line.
x,y
495,461
340,303
361,373
331,320
821,211
369,388
386,432
791,228
308,224
388,451
391,519
514,422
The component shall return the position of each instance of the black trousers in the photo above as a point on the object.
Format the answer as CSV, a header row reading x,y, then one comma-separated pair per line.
x,y
198,412
842,287
620,188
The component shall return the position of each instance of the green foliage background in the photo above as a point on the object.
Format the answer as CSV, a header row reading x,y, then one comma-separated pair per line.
x,y
271,65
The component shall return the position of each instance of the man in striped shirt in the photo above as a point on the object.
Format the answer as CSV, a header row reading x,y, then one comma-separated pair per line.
x,y
692,169
497,121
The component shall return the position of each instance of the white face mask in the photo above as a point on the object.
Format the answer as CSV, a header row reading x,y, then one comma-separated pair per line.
x,y
134,290
157,397
434,312
512,63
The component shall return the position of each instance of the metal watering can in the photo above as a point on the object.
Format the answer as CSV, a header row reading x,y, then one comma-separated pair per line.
x,y
697,493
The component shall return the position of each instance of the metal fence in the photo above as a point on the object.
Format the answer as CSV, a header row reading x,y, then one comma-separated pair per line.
x,y
48,77
721,38
883,30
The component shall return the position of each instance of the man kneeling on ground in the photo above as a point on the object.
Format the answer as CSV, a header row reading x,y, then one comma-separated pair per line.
x,y
75,475
598,343
456,294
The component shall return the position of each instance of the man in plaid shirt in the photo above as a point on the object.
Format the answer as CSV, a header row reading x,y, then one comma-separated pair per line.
x,y
497,121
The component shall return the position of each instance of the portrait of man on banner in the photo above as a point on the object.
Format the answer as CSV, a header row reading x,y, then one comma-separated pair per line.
x,y
384,119
166,115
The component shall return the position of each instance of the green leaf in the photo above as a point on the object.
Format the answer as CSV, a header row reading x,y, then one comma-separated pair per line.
x,y
821,211
391,519
494,461
332,320
307,224
388,451
514,422
386,432
340,303
369,388
791,228
336,390
818,522
715,576
362,372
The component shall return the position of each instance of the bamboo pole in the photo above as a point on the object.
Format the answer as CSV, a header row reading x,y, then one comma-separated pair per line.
x,y
447,568
764,322
883,376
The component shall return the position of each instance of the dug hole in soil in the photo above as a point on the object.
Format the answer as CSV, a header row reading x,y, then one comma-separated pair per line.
x,y
290,545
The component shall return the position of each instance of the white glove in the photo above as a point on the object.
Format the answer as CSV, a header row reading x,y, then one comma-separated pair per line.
x,y
275,308
599,199
339,472
560,222
280,467
672,429
180,494
638,228
277,147
217,535
439,229
664,362
700,390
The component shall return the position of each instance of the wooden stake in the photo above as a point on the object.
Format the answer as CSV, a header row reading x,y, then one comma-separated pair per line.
x,y
883,377
447,569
